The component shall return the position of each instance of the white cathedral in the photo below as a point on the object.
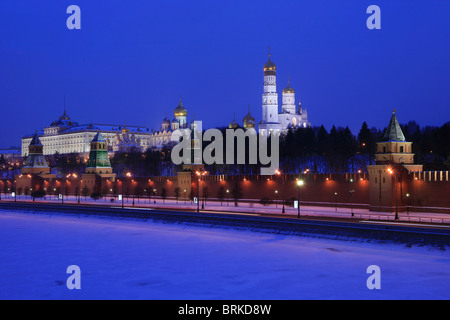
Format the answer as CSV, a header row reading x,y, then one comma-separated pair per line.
x,y
274,121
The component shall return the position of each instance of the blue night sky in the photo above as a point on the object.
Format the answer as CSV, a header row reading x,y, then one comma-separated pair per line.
x,y
132,60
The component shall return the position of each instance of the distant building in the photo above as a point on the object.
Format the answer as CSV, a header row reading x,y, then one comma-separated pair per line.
x,y
11,154
67,136
274,120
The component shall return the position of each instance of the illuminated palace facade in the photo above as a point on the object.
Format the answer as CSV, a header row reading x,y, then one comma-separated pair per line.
x,y
65,136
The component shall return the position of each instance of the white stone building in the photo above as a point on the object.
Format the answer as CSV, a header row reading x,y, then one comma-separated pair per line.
x,y
272,119
67,136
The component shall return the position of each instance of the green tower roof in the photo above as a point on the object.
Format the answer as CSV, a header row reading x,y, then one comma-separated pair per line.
x,y
98,138
393,131
35,141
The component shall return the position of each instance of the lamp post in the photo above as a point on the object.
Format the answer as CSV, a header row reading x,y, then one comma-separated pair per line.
x,y
351,201
282,188
228,191
62,190
393,173
78,195
121,191
299,184
199,174
276,198
351,191
335,201
407,203
134,189
128,175
198,190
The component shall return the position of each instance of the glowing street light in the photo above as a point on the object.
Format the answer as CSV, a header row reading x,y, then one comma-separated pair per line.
x,y
299,184
392,172
335,201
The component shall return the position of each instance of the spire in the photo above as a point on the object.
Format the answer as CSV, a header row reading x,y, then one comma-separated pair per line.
x,y
249,121
393,131
98,138
35,141
269,66
233,124
288,89
180,111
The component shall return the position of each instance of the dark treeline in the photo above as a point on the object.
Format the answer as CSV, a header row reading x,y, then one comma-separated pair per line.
x,y
431,145
339,150
314,149
146,164
139,164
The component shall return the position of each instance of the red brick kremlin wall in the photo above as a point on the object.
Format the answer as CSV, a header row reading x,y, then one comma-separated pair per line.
x,y
425,189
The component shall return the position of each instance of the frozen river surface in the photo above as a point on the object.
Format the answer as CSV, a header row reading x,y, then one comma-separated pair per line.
x,y
130,259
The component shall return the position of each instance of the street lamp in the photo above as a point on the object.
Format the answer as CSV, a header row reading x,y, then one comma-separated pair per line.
x,y
282,187
199,174
335,201
198,190
351,197
121,183
299,184
128,175
63,184
407,203
351,200
392,172
276,198
133,188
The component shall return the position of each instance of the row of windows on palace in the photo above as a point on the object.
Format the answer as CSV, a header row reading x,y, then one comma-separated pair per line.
x,y
80,143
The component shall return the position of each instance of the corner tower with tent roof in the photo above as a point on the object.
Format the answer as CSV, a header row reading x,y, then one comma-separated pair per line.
x,y
98,171
36,169
388,178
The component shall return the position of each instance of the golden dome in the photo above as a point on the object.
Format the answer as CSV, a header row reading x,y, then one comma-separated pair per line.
x,y
233,124
288,89
180,111
125,129
249,121
64,116
269,67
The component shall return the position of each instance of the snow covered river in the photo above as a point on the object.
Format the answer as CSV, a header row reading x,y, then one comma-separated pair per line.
x,y
131,259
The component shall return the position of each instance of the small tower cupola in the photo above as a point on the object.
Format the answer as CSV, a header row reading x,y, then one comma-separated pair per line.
x,y
394,148
249,121
233,124
35,162
98,156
